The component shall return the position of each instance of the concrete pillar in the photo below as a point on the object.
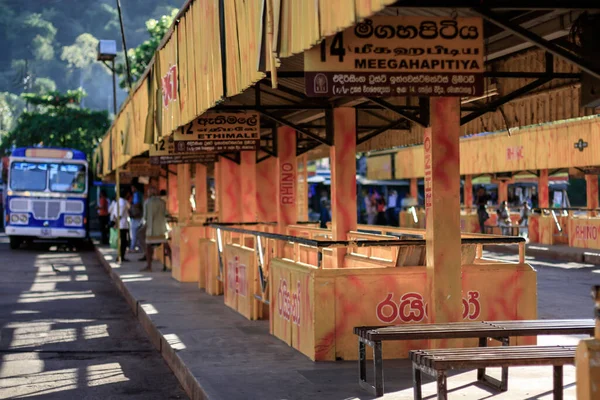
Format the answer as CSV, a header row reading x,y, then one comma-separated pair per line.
x,y
287,178
200,183
343,179
543,184
184,191
266,190
414,188
229,193
468,192
591,182
442,210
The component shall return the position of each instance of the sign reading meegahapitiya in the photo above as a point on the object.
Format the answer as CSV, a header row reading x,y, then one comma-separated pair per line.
x,y
399,56
219,132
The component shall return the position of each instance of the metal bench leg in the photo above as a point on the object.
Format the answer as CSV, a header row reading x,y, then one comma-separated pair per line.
x,y
378,364
500,385
417,389
558,382
442,388
481,371
362,362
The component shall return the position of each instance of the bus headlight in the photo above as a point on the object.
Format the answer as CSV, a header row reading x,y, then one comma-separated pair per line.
x,y
73,220
19,219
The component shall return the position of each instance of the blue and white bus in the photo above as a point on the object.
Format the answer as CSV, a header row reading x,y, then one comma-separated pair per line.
x,y
46,195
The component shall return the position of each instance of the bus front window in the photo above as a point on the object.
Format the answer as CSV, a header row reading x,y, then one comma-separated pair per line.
x,y
67,178
27,176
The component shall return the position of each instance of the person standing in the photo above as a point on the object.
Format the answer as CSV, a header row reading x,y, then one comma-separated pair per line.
x,y
103,216
380,208
481,200
371,209
155,219
135,213
121,219
325,214
504,218
392,208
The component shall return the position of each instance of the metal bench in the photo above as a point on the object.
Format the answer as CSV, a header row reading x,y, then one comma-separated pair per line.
x,y
496,330
436,363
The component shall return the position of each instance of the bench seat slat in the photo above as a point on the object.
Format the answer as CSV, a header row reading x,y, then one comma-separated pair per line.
x,y
442,359
479,329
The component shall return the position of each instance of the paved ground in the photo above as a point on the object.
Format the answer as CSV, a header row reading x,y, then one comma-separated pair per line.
x,y
563,287
233,358
67,333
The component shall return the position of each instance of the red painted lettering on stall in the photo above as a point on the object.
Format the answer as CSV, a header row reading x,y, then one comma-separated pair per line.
x,y
586,232
236,277
288,303
287,184
514,153
411,307
428,171
169,86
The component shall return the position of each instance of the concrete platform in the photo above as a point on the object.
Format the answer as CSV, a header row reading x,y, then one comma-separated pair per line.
x,y
558,252
218,354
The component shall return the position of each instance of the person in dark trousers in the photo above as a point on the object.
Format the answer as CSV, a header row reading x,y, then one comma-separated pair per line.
x,y
481,200
325,213
380,204
121,220
103,216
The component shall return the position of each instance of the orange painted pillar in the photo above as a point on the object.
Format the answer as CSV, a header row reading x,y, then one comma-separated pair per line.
x,y
173,199
266,190
442,210
162,181
468,192
248,187
201,189
343,178
303,187
184,191
414,188
591,182
287,179
502,191
229,193
217,180
543,195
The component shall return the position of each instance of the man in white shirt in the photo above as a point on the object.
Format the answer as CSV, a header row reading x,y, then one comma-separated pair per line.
x,y
121,220
392,209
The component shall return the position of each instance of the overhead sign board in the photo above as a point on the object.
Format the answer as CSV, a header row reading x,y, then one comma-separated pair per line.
x,y
141,167
399,56
219,132
163,153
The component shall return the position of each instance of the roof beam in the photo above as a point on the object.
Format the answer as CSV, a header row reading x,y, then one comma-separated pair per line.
x,y
406,114
502,4
538,41
549,30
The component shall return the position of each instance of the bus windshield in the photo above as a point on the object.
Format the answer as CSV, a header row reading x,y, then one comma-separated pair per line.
x,y
67,178
28,176
37,177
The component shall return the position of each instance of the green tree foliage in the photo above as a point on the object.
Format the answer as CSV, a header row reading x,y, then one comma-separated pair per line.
x,y
53,41
140,57
56,119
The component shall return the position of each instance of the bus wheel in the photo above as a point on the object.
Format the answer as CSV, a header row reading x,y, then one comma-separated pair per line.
x,y
15,242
